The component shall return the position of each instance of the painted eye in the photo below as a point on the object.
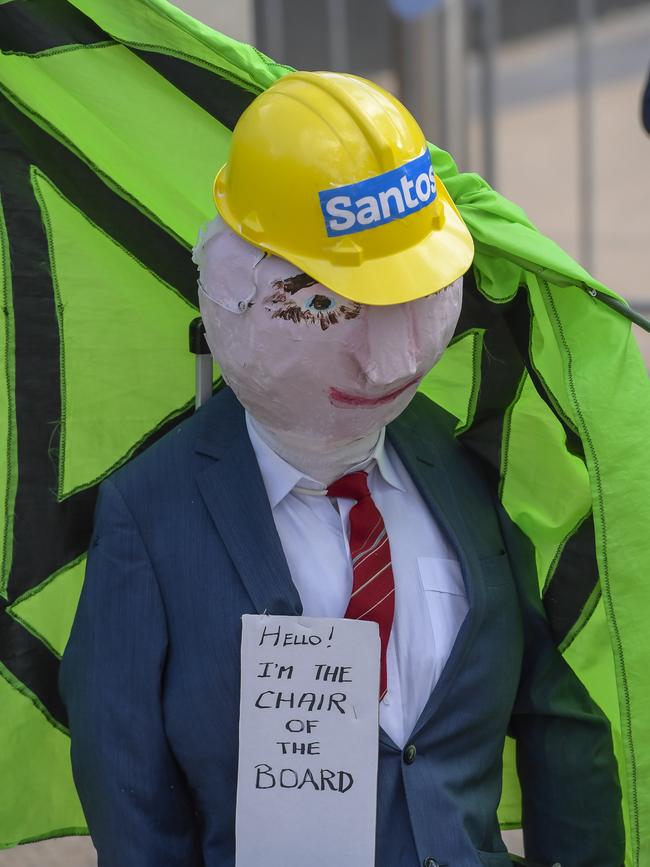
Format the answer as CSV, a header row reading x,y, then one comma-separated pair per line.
x,y
320,303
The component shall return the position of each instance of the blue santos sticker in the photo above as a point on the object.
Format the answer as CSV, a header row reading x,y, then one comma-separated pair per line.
x,y
378,200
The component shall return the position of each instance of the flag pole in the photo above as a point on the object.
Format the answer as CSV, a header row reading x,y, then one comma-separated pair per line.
x,y
621,307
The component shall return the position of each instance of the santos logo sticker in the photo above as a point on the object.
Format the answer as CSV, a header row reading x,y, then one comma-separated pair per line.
x,y
375,201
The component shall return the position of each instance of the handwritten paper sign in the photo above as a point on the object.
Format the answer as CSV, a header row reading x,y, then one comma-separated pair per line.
x,y
308,742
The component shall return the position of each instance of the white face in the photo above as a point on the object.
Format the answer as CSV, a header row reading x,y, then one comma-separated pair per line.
x,y
306,362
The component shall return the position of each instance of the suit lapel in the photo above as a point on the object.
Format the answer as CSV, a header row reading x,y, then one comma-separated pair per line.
x,y
232,488
420,447
233,491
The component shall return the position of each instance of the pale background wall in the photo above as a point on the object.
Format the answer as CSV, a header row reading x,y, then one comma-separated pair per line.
x,y
233,17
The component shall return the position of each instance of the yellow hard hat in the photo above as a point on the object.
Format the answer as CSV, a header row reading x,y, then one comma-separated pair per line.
x,y
332,173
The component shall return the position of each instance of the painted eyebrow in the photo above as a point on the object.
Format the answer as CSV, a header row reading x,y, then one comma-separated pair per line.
x,y
294,284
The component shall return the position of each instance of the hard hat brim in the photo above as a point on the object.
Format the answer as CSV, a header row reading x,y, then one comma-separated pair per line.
x,y
433,263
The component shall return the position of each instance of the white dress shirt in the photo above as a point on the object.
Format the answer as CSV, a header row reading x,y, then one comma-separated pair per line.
x,y
430,600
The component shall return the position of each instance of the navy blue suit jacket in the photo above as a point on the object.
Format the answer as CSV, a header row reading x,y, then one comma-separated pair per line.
x,y
185,542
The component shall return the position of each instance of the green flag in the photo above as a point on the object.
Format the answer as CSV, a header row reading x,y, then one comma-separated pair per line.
x,y
114,117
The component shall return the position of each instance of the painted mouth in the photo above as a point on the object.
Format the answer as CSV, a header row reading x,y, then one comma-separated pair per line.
x,y
341,398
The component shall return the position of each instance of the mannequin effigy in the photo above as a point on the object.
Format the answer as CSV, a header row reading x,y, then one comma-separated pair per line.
x,y
324,352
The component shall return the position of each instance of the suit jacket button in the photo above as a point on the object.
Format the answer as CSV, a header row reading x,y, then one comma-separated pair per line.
x,y
431,862
409,757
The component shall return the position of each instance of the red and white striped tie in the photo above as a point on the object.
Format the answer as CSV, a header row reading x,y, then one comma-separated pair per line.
x,y
373,585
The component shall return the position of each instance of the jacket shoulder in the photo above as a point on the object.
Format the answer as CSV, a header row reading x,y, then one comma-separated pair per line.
x,y
169,462
428,421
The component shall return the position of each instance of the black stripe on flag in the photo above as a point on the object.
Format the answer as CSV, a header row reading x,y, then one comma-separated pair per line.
x,y
502,368
32,663
221,98
37,552
573,582
41,525
32,26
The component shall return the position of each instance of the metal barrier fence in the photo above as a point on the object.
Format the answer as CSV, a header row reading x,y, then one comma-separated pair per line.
x,y
431,43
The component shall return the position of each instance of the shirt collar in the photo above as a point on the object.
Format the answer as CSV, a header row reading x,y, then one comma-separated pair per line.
x,y
280,477
384,463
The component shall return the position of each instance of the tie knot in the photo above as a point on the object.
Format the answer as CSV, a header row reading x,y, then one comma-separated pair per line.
x,y
354,486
